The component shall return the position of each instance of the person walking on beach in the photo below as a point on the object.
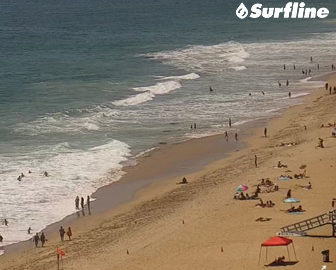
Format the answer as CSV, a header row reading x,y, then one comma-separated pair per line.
x,y
194,125
326,86
62,232
43,239
265,132
210,89
287,83
226,136
77,202
256,161
36,239
69,233
5,222
230,123
279,83
29,230
289,94
236,136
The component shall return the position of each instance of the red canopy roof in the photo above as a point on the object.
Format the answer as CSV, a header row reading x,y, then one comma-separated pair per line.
x,y
277,241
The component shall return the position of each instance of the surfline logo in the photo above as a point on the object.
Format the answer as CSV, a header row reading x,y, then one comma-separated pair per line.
x,y
293,10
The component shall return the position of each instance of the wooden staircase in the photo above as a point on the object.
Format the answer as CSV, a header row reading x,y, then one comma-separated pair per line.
x,y
312,223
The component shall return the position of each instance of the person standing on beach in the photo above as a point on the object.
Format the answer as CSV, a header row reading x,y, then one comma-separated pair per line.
x,y
326,86
77,202
230,123
265,132
236,136
29,230
82,202
194,125
62,232
284,67
226,136
289,94
294,66
69,233
311,59
5,222
36,239
287,83
43,239
88,204
256,161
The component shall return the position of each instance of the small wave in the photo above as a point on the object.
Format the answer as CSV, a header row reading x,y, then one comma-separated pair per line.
x,y
238,68
150,92
190,76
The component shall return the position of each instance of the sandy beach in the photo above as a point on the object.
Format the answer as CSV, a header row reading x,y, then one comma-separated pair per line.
x,y
199,225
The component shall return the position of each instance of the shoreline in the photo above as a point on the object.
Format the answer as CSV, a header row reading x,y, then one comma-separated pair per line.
x,y
126,189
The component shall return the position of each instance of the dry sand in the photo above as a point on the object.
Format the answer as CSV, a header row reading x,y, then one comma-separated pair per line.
x,y
199,225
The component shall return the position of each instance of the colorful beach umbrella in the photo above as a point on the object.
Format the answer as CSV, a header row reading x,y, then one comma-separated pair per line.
x,y
242,188
291,200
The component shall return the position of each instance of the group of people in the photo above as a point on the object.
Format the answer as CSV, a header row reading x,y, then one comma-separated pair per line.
x,y
263,205
332,89
80,204
62,233
21,176
37,239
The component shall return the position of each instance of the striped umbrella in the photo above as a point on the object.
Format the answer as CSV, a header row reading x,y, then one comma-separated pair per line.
x,y
242,188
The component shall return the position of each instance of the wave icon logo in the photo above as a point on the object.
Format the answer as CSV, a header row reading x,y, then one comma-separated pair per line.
x,y
242,11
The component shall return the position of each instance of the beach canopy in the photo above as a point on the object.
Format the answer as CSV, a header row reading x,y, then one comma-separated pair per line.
x,y
291,200
277,241
242,188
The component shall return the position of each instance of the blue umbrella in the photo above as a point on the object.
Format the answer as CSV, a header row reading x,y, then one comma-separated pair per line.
x,y
291,200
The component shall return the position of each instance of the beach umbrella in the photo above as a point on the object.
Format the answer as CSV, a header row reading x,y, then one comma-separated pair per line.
x,y
291,200
242,188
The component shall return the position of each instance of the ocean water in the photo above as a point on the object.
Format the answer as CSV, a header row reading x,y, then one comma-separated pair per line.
x,y
88,85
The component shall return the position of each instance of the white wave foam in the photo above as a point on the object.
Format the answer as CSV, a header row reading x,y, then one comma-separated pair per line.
x,y
37,200
190,76
150,92
213,58
238,68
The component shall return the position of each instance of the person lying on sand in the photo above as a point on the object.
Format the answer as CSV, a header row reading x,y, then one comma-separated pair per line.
x,y
279,260
286,144
260,204
295,210
261,219
184,181
309,186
